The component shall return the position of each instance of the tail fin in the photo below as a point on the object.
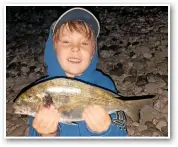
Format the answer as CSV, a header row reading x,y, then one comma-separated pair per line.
x,y
135,103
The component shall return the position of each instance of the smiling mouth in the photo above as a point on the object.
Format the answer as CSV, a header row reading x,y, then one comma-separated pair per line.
x,y
74,60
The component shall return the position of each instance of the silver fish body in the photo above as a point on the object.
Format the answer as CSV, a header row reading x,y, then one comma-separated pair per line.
x,y
70,97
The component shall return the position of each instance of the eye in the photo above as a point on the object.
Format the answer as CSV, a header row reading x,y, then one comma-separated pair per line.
x,y
30,98
65,41
84,43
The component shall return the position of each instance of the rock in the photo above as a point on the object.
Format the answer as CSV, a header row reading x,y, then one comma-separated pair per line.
x,y
141,80
14,118
148,113
130,131
160,55
107,53
155,134
27,131
142,128
153,129
165,116
7,123
159,105
25,69
153,87
155,121
165,130
139,65
164,99
118,70
147,55
152,78
8,116
37,69
146,133
136,124
165,109
160,124
149,124
9,108
142,49
137,90
163,29
18,121
19,131
133,72
129,79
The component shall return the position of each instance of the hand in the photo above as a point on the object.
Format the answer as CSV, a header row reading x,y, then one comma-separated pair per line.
x,y
46,121
96,118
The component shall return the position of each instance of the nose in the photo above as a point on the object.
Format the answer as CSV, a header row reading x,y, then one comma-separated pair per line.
x,y
75,48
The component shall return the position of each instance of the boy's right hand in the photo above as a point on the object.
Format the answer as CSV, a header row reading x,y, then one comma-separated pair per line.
x,y
46,121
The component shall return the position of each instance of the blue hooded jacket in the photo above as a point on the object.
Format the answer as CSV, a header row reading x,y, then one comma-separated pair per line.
x,y
91,75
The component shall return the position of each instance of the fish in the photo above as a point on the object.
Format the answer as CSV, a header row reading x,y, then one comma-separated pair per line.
x,y
71,96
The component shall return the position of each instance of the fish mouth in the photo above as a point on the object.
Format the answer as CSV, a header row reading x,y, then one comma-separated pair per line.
x,y
74,60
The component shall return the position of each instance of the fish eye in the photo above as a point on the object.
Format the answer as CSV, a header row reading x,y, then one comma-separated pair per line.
x,y
30,98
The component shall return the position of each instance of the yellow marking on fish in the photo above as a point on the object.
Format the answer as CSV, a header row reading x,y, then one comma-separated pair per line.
x,y
23,96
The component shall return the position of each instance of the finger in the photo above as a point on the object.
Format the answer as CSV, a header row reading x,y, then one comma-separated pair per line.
x,y
53,123
98,118
90,120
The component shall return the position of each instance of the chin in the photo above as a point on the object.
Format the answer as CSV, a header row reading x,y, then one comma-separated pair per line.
x,y
75,73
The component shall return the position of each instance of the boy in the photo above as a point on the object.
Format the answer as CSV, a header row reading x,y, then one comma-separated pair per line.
x,y
71,51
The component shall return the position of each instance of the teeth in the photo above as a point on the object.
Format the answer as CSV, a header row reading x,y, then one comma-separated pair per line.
x,y
74,60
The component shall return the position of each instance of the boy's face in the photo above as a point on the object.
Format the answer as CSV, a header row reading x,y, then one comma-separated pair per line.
x,y
74,51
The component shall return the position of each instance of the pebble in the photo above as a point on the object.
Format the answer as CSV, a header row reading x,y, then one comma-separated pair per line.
x,y
156,134
165,109
19,131
107,53
136,124
25,69
148,113
141,80
37,69
154,129
160,124
152,87
8,116
18,121
165,130
142,127
27,131
9,108
155,121
131,131
118,70
159,105
142,49
147,133
147,55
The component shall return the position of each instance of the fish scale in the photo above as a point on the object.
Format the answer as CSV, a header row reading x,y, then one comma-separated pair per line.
x,y
72,96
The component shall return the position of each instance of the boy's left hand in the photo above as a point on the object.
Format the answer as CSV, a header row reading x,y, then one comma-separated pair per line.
x,y
96,118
